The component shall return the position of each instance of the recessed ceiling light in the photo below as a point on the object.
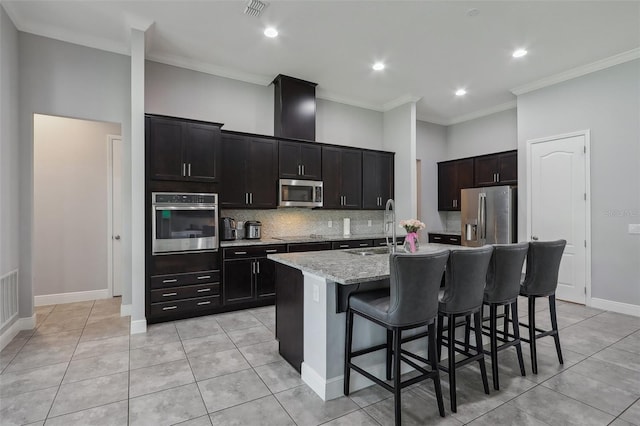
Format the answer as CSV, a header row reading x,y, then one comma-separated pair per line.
x,y
271,32
473,12
519,53
461,92
378,66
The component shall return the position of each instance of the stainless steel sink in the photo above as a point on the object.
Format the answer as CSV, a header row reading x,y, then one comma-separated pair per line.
x,y
369,251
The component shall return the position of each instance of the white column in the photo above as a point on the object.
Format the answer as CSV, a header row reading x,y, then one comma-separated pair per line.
x,y
138,320
400,137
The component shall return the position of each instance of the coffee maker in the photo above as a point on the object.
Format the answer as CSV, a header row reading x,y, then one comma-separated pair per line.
x,y
228,229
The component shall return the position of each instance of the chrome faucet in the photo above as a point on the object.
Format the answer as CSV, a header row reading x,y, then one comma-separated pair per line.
x,y
390,219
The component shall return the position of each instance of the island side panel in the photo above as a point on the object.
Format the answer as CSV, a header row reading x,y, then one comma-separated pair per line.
x,y
289,314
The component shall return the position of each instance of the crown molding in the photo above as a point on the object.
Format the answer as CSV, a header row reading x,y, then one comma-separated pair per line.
x,y
207,68
400,101
65,35
433,120
333,97
611,61
483,112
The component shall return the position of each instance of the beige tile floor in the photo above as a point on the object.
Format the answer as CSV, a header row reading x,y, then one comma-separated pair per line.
x,y
80,367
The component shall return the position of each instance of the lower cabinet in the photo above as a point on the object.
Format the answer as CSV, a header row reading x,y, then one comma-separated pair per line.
x,y
183,286
248,276
445,239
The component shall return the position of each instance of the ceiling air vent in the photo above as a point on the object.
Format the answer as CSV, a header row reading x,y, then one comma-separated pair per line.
x,y
254,8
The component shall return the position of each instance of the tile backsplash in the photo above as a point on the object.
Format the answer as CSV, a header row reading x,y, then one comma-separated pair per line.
x,y
290,222
452,223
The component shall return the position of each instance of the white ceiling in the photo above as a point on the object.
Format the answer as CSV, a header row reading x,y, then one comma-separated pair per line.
x,y
431,48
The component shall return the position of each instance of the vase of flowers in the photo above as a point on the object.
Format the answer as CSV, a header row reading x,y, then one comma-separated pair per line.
x,y
412,226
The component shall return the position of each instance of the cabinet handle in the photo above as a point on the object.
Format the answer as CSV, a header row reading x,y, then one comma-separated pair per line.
x,y
437,238
251,198
189,169
239,252
168,308
497,177
303,170
271,251
169,281
203,303
453,239
257,267
169,294
253,268
344,245
203,290
204,277
246,198
299,170
184,169
364,244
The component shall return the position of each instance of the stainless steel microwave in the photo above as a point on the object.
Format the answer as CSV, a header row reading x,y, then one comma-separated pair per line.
x,y
300,193
184,222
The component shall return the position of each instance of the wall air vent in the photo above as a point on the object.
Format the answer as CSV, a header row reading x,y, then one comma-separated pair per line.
x,y
254,8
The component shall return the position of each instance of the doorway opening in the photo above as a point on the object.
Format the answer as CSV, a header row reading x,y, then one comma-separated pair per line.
x,y
76,180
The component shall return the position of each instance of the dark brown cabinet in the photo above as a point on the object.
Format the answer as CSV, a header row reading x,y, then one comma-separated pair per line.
x,y
337,245
444,238
182,149
496,169
183,286
377,179
249,172
248,275
452,177
342,178
299,160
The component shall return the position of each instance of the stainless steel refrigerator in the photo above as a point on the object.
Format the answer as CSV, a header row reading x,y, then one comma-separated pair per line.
x,y
488,215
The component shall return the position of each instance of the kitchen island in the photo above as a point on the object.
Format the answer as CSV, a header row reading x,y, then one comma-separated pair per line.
x,y
311,293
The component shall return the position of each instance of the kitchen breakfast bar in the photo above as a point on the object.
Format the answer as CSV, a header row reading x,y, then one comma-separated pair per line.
x,y
312,290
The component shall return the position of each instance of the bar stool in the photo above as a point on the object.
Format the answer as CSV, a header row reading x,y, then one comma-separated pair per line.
x,y
541,280
410,302
465,279
503,288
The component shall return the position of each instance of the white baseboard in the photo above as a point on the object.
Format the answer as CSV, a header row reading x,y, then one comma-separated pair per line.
x,y
619,307
125,310
20,324
78,296
139,326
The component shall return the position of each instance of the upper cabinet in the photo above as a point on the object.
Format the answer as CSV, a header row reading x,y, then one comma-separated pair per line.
x,y
496,169
377,179
342,178
249,172
298,160
452,177
182,149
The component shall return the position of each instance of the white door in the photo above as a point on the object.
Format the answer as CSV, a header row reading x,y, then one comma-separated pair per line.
x,y
116,215
557,188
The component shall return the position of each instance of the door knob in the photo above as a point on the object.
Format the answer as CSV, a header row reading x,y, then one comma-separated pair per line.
x,y
534,237
117,237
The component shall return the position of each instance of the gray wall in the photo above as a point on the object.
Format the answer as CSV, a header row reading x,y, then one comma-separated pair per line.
x,y
58,78
431,147
9,143
608,103
247,107
485,135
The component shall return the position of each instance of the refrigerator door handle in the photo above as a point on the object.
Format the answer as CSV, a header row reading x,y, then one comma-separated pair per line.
x,y
482,216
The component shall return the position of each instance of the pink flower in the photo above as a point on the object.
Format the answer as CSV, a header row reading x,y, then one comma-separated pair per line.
x,y
412,225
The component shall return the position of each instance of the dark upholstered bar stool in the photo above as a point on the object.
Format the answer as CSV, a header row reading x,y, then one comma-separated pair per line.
x,y
541,280
465,279
410,302
503,288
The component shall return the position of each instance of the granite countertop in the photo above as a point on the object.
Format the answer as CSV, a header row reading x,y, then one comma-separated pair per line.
x,y
345,266
301,239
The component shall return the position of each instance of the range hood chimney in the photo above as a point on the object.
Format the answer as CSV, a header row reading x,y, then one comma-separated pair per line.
x,y
295,108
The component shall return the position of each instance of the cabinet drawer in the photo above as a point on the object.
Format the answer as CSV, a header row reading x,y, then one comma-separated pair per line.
x,y
382,242
302,247
184,306
445,239
185,292
252,251
177,280
337,245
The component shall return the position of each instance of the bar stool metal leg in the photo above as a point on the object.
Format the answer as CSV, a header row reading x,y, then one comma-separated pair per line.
x,y
532,334
439,336
505,324
493,338
451,336
480,350
516,332
389,352
397,389
434,365
347,350
554,326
